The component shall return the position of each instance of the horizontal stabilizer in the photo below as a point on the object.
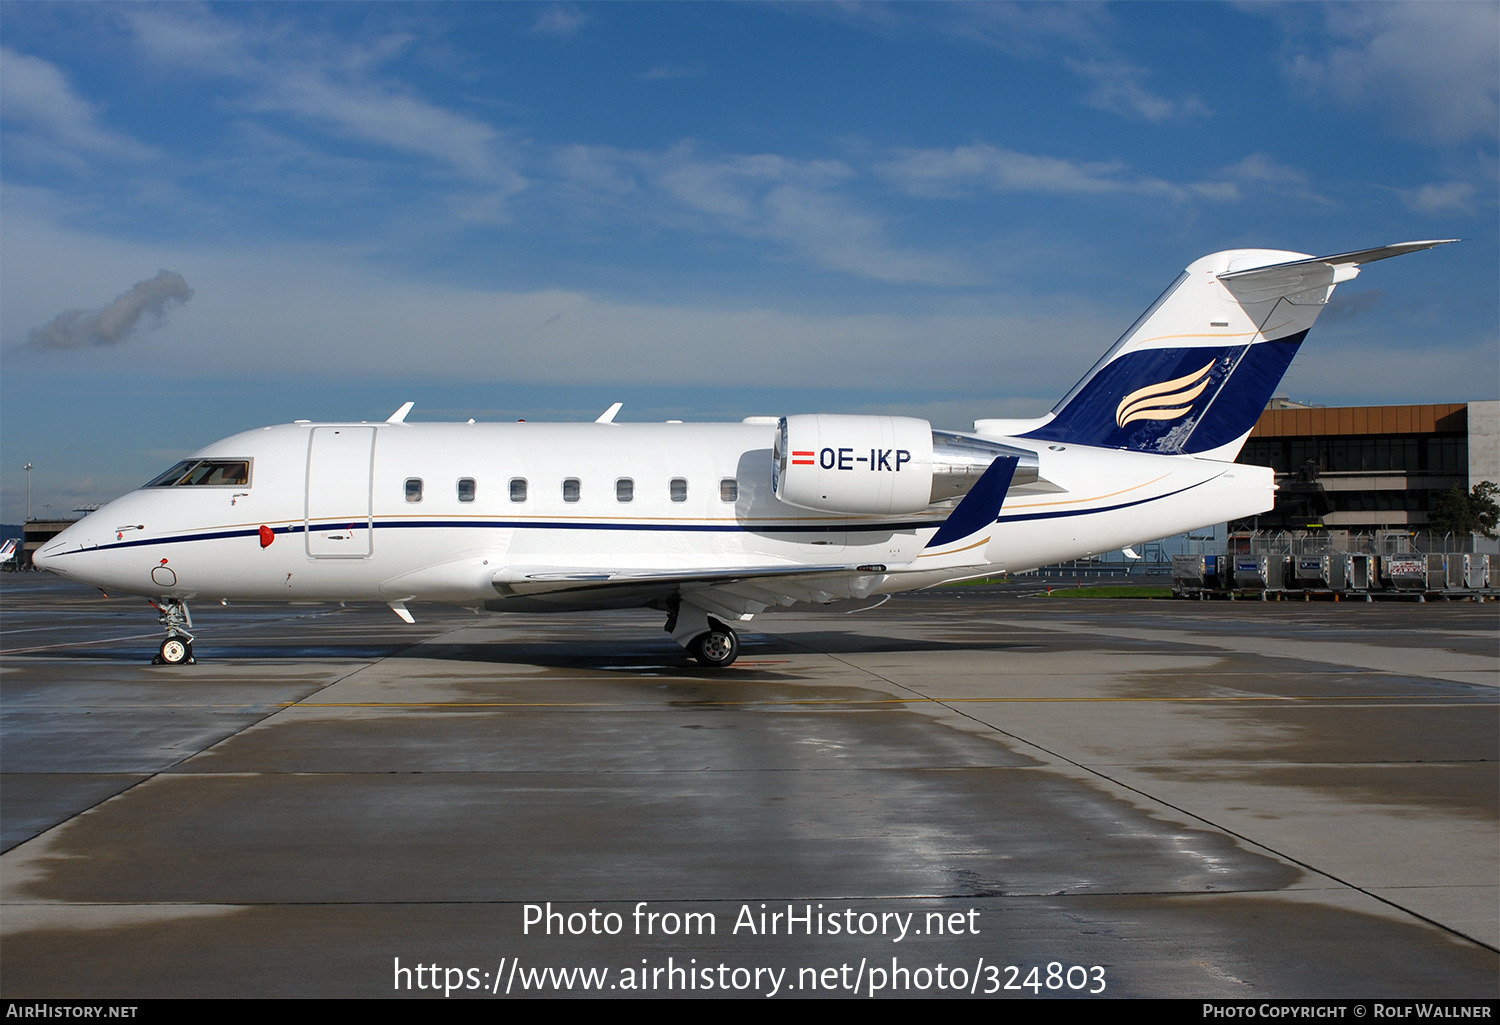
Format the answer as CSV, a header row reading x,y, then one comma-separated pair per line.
x,y
1354,259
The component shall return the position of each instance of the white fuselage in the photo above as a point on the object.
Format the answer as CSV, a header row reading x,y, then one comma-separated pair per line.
x,y
343,525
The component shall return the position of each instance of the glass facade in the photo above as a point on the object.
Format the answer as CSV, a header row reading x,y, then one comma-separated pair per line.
x,y
1387,453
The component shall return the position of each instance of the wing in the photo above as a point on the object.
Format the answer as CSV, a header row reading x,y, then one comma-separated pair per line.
x,y
741,591
732,591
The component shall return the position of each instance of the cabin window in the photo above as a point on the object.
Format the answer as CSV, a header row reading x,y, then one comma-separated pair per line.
x,y
679,489
729,489
414,489
518,489
624,490
466,489
205,473
570,489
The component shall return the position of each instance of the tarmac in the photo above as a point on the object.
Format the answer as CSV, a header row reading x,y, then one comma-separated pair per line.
x,y
972,791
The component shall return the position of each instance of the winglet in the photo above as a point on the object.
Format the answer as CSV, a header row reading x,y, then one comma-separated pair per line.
x,y
608,416
981,505
399,416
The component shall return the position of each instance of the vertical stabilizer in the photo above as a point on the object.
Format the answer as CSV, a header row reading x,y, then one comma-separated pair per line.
x,y
1193,374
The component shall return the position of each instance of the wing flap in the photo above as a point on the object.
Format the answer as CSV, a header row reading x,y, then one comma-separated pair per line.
x,y
528,580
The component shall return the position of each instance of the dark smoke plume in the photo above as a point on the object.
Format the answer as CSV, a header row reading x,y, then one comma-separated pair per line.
x,y
117,321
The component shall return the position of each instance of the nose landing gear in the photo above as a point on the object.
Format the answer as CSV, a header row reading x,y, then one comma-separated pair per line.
x,y
177,649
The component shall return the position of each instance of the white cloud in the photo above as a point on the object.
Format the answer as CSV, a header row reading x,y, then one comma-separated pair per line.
x,y
947,172
559,336
391,118
36,95
596,169
1449,197
1432,67
1119,89
336,86
188,36
322,311
954,172
802,205
1023,30
667,71
1036,31
561,20
323,315
1262,171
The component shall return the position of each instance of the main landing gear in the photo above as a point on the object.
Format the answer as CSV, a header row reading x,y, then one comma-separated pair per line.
x,y
707,639
717,648
177,649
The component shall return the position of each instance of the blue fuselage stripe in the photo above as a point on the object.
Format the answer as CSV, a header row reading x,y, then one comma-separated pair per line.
x,y
1059,514
298,528
779,528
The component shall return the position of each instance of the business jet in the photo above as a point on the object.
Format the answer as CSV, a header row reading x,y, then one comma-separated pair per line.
x,y
713,523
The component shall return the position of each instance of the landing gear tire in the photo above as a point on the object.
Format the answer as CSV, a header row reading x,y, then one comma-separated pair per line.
x,y
717,648
175,651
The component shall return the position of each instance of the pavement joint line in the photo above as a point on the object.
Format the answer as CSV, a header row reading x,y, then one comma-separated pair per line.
x,y
860,701
1192,640
275,710
76,644
851,767
1184,811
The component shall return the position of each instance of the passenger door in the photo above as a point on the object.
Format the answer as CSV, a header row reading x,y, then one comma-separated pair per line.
x,y
340,467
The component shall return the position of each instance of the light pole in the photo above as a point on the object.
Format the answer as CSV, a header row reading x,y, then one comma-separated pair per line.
x,y
28,491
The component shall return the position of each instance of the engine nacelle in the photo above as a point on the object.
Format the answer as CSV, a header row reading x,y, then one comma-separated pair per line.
x,y
882,465
873,465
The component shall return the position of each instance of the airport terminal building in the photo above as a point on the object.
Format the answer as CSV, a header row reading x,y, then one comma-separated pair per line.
x,y
1369,469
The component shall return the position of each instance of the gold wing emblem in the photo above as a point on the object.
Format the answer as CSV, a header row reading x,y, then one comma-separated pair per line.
x,y
1166,401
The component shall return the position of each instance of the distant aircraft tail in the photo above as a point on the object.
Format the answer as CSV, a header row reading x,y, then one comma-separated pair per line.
x,y
1193,374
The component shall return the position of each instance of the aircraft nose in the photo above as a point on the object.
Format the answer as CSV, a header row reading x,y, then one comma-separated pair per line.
x,y
49,555
46,557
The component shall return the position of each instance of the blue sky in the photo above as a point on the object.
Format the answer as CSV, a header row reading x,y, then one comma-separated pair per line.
x,y
216,217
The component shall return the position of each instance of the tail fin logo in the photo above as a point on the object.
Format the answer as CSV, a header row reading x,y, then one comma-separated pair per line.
x,y
1166,401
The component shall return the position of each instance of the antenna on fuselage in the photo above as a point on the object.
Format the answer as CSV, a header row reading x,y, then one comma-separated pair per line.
x,y
399,416
608,416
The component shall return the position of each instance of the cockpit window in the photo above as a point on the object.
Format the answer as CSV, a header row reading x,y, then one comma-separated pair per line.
x,y
205,473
